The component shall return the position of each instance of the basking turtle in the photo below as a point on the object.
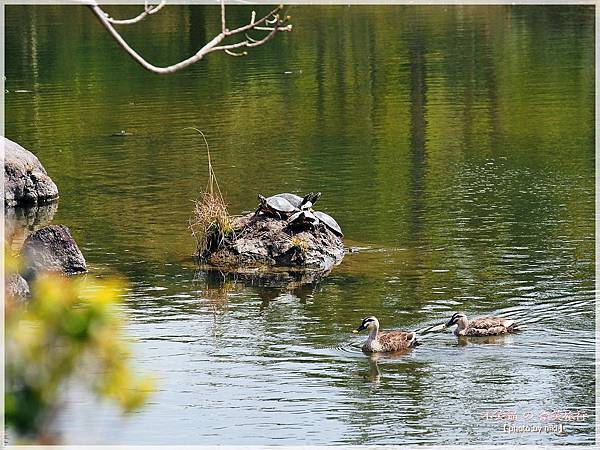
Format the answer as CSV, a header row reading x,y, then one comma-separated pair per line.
x,y
305,202
310,199
329,222
276,205
294,199
303,219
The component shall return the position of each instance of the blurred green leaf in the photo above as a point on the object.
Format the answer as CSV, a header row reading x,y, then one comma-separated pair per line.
x,y
69,329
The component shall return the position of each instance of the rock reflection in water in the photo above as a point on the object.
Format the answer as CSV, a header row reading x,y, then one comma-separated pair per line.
x,y
267,285
19,222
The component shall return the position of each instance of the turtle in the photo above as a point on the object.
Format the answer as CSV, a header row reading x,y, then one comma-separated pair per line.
x,y
305,202
310,199
294,199
329,222
303,219
275,205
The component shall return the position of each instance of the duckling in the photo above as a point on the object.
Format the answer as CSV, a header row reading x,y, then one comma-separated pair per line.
x,y
385,341
486,326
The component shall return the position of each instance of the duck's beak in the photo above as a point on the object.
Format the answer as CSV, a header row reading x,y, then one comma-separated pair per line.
x,y
448,324
359,329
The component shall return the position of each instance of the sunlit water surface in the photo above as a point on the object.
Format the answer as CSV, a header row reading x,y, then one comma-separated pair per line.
x,y
453,144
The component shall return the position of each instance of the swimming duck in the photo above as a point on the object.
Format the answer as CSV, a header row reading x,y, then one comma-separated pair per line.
x,y
385,341
486,326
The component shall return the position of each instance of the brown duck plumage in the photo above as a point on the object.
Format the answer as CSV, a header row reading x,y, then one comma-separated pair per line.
x,y
385,341
486,326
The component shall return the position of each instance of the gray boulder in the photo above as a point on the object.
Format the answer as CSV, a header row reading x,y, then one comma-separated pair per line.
x,y
25,179
16,286
52,249
263,242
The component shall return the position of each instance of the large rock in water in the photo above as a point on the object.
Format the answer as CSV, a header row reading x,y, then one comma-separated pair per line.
x,y
52,249
25,179
264,242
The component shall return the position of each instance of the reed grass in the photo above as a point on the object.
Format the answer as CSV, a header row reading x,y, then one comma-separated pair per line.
x,y
210,223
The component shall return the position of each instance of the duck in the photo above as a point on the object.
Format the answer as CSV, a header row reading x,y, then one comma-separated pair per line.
x,y
486,326
385,341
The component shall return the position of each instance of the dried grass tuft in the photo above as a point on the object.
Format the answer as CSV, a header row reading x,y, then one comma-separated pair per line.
x,y
210,223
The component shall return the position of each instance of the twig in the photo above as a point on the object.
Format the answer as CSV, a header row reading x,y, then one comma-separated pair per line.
x,y
272,18
223,26
249,38
230,53
254,43
148,10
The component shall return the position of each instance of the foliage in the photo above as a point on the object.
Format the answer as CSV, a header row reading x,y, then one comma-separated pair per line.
x,y
68,329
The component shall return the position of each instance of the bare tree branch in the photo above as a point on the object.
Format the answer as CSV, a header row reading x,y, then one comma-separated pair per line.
x,y
223,26
254,23
248,38
230,53
246,43
272,18
148,10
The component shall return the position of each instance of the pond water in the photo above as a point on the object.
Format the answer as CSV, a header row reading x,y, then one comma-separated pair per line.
x,y
454,145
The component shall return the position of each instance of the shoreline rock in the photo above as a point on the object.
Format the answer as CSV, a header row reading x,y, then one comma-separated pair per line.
x,y
52,249
26,182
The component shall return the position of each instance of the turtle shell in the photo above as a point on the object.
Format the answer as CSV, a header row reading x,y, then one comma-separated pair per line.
x,y
280,204
294,199
305,202
302,219
329,222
